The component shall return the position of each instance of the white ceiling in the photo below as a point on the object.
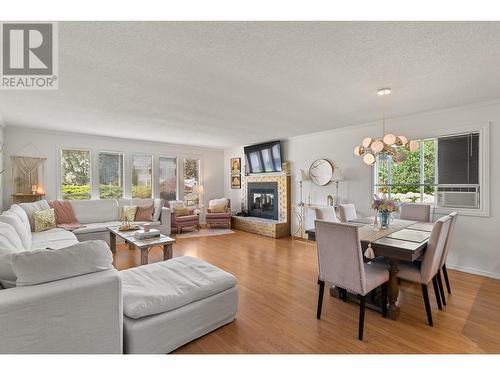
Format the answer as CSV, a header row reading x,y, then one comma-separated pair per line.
x,y
222,84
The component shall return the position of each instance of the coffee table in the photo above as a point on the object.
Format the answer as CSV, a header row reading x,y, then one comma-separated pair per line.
x,y
143,245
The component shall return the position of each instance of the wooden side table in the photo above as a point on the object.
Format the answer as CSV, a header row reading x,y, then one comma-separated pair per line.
x,y
26,198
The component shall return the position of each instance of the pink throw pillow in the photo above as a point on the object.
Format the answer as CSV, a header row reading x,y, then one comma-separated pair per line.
x,y
144,213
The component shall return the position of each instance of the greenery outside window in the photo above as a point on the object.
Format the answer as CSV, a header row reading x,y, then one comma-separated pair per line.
x,y
414,180
445,172
168,178
191,178
142,166
110,175
75,174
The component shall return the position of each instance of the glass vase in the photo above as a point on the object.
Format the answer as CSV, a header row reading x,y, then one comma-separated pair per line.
x,y
385,219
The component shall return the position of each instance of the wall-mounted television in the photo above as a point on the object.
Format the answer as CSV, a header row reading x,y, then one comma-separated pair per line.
x,y
263,158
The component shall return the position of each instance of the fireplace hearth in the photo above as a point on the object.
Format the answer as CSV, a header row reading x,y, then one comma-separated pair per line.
x,y
263,200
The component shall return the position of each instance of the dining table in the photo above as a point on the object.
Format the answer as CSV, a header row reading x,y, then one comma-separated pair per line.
x,y
402,241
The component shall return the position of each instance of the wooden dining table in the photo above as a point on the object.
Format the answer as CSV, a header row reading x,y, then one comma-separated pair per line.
x,y
404,240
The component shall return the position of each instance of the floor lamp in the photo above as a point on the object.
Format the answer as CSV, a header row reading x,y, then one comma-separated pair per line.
x,y
300,213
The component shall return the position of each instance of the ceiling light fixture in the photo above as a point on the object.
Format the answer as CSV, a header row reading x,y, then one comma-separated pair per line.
x,y
390,145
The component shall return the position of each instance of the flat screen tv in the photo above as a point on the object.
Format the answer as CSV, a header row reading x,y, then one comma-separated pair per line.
x,y
263,158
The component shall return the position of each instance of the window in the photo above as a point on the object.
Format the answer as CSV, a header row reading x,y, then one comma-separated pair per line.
x,y
141,176
444,172
168,178
191,178
110,175
75,174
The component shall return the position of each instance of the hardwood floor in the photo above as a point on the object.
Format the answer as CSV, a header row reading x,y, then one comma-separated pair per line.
x,y
277,281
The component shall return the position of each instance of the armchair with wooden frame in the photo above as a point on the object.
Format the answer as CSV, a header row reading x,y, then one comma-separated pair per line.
x,y
219,212
184,220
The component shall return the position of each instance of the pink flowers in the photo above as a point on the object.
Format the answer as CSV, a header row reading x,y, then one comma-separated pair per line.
x,y
385,205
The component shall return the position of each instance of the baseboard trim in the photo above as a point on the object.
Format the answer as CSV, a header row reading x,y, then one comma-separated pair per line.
x,y
473,271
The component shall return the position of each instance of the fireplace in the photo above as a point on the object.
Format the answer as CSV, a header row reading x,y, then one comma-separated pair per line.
x,y
263,200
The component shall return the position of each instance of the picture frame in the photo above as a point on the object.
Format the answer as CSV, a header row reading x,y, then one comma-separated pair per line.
x,y
236,181
235,166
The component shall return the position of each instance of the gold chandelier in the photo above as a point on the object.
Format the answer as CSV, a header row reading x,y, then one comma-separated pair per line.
x,y
390,145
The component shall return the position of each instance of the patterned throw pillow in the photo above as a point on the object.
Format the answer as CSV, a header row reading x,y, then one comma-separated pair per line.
x,y
128,213
218,208
44,219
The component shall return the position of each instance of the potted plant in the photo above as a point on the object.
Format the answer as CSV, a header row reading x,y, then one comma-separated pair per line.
x,y
385,207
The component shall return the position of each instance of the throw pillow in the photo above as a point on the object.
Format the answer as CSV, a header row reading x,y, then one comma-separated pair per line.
x,y
181,211
218,208
144,213
29,208
42,266
44,219
128,213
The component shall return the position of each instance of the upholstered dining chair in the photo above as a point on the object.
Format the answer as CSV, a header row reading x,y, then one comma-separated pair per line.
x,y
442,265
347,212
326,213
415,212
340,261
426,271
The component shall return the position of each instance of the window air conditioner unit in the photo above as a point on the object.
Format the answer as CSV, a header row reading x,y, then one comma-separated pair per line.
x,y
458,196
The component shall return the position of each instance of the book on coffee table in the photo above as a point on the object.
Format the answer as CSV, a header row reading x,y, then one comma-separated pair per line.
x,y
140,234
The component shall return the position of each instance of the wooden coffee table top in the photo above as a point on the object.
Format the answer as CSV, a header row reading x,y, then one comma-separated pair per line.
x,y
148,242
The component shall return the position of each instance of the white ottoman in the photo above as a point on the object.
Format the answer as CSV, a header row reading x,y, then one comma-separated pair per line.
x,y
171,303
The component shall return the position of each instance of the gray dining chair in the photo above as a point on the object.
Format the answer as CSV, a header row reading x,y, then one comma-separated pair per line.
x,y
415,212
340,261
326,213
347,212
426,271
442,265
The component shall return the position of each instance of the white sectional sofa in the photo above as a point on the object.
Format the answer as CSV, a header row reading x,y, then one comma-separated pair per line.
x,y
69,301
63,295
97,214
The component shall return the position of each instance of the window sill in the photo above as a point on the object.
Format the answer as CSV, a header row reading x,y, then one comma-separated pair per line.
x,y
461,211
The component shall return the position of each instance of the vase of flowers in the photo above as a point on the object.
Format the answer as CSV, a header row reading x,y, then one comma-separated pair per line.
x,y
385,207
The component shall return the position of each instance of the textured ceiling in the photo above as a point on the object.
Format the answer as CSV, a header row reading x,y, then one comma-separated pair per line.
x,y
221,84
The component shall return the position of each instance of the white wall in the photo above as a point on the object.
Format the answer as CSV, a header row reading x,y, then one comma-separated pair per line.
x,y
45,143
477,239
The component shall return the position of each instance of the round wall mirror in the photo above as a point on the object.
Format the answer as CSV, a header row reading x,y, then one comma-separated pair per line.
x,y
321,172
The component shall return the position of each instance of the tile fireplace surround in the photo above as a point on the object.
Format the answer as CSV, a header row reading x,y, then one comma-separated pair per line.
x,y
266,227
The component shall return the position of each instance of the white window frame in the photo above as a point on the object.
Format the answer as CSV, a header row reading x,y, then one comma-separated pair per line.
x,y
99,172
59,184
177,177
152,171
181,177
484,170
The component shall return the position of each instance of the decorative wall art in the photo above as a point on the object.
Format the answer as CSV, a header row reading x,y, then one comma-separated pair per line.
x,y
235,166
236,181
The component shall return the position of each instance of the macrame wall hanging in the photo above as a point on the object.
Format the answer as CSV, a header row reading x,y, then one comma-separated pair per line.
x,y
27,174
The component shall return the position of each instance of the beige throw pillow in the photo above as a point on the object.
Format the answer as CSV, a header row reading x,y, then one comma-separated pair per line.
x,y
128,213
218,208
181,211
44,219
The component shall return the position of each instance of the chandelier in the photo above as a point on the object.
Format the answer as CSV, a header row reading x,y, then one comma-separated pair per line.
x,y
390,146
